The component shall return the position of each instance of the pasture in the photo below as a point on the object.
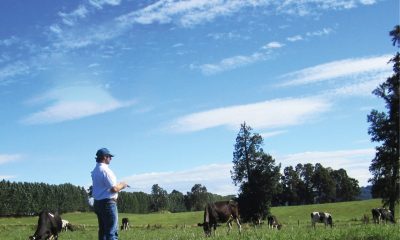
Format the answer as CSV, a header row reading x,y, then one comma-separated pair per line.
x,y
296,220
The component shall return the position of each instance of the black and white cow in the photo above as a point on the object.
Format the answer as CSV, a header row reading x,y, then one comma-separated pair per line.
x,y
49,225
321,217
220,212
125,224
273,222
382,214
66,225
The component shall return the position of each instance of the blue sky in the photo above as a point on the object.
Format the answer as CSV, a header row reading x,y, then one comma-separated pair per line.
x,y
165,86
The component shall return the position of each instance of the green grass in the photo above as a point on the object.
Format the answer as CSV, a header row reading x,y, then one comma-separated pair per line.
x,y
296,220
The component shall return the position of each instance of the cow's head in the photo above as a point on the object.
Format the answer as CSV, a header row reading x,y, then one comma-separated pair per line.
x,y
206,227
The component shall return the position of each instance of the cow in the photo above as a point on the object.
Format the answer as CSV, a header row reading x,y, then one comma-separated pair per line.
x,y
49,225
376,215
220,212
382,214
125,224
66,225
273,222
321,217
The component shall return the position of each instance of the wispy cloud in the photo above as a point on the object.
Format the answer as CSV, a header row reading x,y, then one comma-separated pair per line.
x,y
184,180
272,133
5,177
273,45
324,31
355,161
70,18
230,63
6,158
262,115
12,70
74,102
295,38
338,69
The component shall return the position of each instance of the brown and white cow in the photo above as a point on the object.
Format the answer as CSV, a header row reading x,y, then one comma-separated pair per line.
x,y
273,222
220,212
49,225
321,217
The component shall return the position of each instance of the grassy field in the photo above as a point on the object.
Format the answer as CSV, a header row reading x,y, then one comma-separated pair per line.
x,y
347,219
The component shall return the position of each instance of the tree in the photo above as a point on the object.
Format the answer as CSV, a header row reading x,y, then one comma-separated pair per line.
x,y
256,173
291,184
159,198
384,129
324,184
347,188
197,198
306,192
176,201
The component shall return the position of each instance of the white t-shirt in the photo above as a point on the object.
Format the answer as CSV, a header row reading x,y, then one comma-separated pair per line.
x,y
103,179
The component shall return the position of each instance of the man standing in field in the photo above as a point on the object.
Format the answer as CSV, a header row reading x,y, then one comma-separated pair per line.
x,y
105,194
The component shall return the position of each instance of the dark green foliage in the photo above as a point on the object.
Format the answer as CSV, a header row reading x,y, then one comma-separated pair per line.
x,y
30,198
256,173
384,129
159,199
197,197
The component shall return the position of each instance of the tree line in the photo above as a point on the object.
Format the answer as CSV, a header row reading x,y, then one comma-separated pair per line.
x,y
23,198
303,184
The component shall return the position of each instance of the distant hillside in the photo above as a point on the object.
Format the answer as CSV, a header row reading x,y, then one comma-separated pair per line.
x,y
365,193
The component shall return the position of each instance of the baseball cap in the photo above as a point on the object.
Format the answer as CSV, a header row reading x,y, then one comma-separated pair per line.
x,y
103,152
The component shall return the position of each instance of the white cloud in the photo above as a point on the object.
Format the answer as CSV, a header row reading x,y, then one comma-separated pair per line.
x,y
230,63
324,31
184,180
356,162
71,18
363,87
6,158
272,133
339,69
74,102
13,69
100,3
295,38
273,45
263,115
5,177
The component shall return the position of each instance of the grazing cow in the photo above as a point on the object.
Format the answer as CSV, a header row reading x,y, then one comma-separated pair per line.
x,y
376,215
49,225
321,217
66,225
387,215
125,224
273,222
220,212
382,214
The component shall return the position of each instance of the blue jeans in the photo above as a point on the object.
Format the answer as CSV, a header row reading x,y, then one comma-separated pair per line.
x,y
107,215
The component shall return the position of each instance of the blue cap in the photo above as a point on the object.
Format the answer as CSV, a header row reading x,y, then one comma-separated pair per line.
x,y
103,152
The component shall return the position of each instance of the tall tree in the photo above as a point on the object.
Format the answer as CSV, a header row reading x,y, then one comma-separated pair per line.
x,y
324,184
256,173
159,198
384,129
197,197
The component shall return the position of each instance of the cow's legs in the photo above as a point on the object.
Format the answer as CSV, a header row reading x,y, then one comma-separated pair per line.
x,y
229,223
238,224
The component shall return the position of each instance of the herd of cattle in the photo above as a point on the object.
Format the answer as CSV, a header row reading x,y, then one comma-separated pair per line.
x,y
50,225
